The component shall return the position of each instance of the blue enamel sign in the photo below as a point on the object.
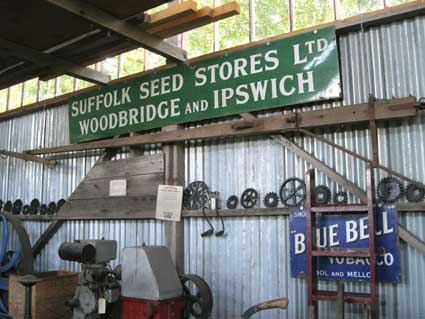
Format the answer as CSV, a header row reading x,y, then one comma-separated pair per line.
x,y
347,231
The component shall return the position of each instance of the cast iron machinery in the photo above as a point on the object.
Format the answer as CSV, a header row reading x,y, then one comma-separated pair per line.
x,y
15,255
389,190
293,192
98,287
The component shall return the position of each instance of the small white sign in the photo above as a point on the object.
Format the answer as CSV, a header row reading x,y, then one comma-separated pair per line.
x,y
169,202
101,306
118,187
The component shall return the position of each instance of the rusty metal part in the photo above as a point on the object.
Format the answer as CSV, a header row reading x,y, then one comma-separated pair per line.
x,y
199,299
292,192
281,303
341,198
232,202
249,198
322,195
389,190
414,193
271,200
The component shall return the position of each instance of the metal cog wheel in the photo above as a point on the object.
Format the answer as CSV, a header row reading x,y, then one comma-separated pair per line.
x,y
232,202
271,200
196,196
389,190
17,207
292,192
341,197
322,195
8,206
249,198
415,193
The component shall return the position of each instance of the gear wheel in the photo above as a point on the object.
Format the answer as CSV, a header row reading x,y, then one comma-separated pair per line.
x,y
8,206
389,190
17,207
249,198
271,200
322,195
341,197
292,192
232,202
196,196
415,193
34,206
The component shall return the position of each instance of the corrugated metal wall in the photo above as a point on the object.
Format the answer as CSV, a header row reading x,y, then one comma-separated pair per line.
x,y
251,263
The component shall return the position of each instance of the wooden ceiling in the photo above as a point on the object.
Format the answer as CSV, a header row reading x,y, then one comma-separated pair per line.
x,y
44,38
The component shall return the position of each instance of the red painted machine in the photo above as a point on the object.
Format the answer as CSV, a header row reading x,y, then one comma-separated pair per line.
x,y
152,289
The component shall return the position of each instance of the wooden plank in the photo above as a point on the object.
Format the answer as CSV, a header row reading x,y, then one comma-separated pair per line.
x,y
328,117
175,175
110,208
52,62
201,17
46,236
131,166
28,157
226,11
169,14
134,33
137,185
411,239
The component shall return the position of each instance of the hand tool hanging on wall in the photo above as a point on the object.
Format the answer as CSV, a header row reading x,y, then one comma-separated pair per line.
x,y
216,205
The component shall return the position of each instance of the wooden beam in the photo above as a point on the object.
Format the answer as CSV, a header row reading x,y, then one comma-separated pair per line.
x,y
411,239
123,28
357,113
28,157
51,230
200,18
169,14
52,62
363,158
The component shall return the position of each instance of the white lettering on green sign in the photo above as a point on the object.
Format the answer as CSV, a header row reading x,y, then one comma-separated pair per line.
x,y
290,71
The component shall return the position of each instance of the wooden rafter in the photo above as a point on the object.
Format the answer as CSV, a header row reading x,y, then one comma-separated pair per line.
x,y
52,62
123,28
319,118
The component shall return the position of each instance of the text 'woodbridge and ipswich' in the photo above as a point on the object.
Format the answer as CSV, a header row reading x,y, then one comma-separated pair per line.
x,y
294,70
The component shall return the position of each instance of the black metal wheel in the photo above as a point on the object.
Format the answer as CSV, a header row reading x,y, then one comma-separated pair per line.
x,y
341,198
8,206
17,207
199,299
34,207
322,195
271,200
196,196
292,192
43,209
389,190
51,208
232,202
414,193
249,198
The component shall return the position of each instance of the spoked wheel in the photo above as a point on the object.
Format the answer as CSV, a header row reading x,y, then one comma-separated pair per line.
x,y
199,299
14,258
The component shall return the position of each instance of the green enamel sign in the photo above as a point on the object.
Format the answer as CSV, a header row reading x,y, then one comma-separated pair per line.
x,y
295,70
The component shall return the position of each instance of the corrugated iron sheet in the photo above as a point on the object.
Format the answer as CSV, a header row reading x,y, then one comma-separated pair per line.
x,y
251,263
